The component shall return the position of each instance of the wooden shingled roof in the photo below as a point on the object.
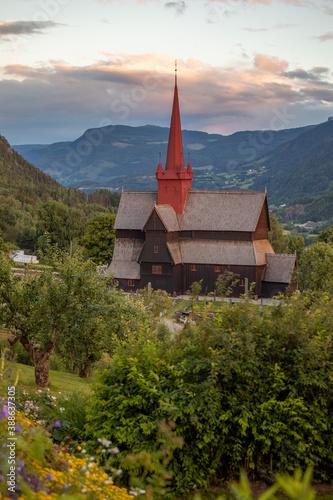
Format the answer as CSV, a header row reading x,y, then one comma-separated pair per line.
x,y
204,211
222,210
134,209
168,217
279,268
125,259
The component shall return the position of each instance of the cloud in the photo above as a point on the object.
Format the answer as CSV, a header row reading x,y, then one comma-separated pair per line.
x,y
270,28
9,28
266,2
325,37
270,64
57,101
179,6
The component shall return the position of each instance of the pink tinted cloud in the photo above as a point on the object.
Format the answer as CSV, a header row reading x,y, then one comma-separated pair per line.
x,y
137,90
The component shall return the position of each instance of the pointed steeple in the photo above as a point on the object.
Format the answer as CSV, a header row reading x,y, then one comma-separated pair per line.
x,y
174,182
175,160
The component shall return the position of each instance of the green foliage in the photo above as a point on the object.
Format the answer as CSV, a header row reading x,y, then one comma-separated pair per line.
x,y
99,238
155,301
32,203
247,388
194,292
226,283
58,224
326,235
284,242
293,487
315,270
66,304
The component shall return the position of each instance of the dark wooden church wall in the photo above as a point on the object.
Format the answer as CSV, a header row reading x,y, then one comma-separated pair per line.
x,y
163,281
154,223
129,233
272,289
208,275
155,249
216,235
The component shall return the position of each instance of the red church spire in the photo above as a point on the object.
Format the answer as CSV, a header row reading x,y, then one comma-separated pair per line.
x,y
174,181
175,160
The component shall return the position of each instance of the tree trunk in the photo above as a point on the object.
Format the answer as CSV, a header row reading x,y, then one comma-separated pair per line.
x,y
84,372
71,355
41,359
42,364
12,343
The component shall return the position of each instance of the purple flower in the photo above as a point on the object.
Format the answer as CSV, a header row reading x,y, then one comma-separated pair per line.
x,y
49,476
3,445
65,486
1,478
57,423
4,413
17,428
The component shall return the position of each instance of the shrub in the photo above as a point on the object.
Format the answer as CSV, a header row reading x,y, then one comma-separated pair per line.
x,y
246,388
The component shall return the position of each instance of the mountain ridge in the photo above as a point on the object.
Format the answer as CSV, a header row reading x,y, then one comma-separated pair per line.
x,y
101,155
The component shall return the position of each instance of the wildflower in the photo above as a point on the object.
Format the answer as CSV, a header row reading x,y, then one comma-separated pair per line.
x,y
83,468
57,423
17,428
4,413
49,476
118,472
83,451
62,409
114,450
65,486
92,459
79,448
104,442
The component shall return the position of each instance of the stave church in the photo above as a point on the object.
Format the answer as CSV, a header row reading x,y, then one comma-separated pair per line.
x,y
176,236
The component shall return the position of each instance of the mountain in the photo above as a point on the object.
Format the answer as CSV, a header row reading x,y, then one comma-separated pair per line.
x,y
25,191
24,182
122,156
300,167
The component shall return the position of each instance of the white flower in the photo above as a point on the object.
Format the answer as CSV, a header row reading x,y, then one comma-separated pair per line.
x,y
118,472
90,465
114,450
83,451
105,442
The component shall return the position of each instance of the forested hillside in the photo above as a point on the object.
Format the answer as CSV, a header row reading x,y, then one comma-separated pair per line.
x,y
303,166
122,156
32,203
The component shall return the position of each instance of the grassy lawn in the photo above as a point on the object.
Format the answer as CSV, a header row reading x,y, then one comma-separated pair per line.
x,y
63,382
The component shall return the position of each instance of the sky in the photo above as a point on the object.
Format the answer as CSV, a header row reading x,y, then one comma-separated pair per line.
x,y
70,65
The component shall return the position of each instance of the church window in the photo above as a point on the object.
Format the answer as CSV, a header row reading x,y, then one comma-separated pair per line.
x,y
130,282
155,248
157,269
193,267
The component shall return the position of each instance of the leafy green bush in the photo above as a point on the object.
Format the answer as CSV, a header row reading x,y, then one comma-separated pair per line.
x,y
245,388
